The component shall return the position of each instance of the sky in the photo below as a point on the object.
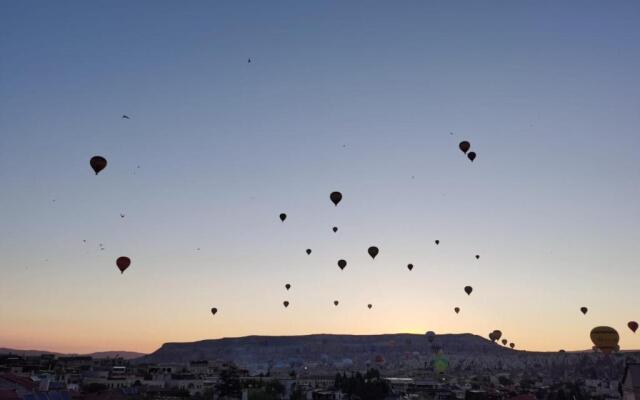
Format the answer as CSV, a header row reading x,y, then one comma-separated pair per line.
x,y
369,98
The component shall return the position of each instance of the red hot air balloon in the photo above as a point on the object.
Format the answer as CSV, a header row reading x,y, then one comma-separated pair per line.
x,y
335,197
410,266
633,325
342,264
214,311
464,146
457,310
468,290
98,163
373,251
471,156
123,263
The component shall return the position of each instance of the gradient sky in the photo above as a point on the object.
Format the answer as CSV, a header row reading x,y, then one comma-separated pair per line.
x,y
547,93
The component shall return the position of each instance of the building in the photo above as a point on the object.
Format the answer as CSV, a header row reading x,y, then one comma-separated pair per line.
x,y
631,382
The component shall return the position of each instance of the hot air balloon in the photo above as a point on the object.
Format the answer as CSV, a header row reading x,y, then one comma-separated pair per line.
x,y
477,256
214,311
410,266
334,229
437,242
605,339
308,251
123,263
584,310
373,251
498,334
369,306
464,146
283,216
431,335
633,325
456,309
287,286
335,197
471,156
98,163
504,342
285,303
440,364
468,290
342,264
336,302
512,345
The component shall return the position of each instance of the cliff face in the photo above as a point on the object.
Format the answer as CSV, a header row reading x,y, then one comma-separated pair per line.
x,y
315,347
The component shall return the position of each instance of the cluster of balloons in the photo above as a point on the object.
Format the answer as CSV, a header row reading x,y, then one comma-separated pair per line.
x,y
464,147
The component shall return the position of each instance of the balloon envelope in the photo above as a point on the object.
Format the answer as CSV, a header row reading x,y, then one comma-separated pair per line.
x,y
504,342
431,335
464,146
123,263
605,339
342,264
308,251
456,309
98,163
584,310
214,311
335,229
410,266
437,241
471,156
373,251
287,286
335,302
283,216
285,303
468,290
512,345
335,197
369,306
633,325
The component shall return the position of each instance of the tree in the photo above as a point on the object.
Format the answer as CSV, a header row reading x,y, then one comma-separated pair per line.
x,y
229,385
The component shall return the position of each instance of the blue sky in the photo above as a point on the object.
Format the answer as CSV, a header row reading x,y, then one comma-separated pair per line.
x,y
369,98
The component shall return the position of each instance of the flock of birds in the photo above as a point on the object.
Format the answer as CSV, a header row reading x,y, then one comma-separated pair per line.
x,y
604,338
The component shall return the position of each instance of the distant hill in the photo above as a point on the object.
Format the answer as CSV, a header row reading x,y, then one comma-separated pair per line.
x,y
127,355
359,348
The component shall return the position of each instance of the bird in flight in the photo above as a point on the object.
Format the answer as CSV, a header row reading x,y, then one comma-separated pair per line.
x,y
125,117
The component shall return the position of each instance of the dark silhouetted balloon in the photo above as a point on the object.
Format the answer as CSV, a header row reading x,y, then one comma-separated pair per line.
x,y
512,345
123,263
342,264
498,334
410,267
437,242
283,216
456,309
464,146
214,311
369,306
308,251
98,163
605,339
431,335
287,286
335,197
335,302
285,303
504,342
468,290
633,325
477,256
334,229
471,156
373,251
584,310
